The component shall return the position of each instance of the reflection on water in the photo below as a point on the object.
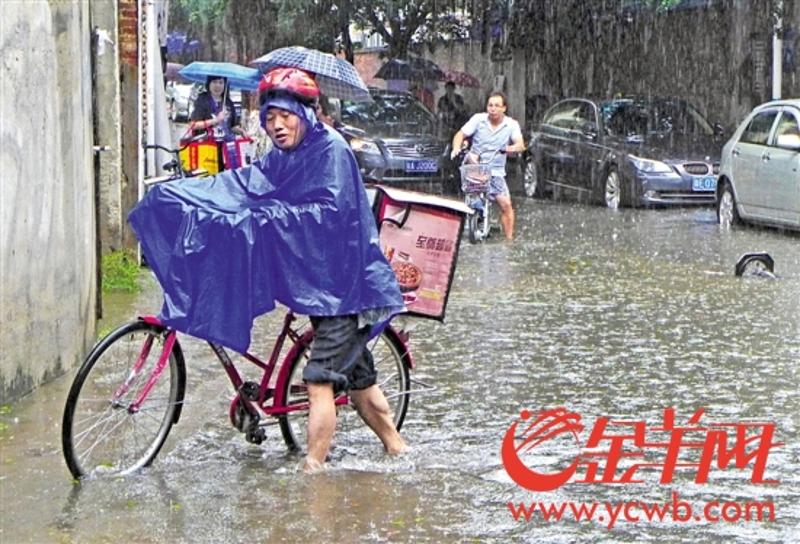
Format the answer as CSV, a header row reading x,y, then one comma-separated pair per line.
x,y
609,314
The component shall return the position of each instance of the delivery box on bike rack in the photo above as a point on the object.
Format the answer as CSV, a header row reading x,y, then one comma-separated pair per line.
x,y
201,155
238,152
419,235
206,154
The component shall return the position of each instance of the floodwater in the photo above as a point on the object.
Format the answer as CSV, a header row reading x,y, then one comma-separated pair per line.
x,y
617,315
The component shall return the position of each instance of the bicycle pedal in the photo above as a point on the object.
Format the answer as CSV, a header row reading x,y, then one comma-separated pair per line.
x,y
249,390
256,436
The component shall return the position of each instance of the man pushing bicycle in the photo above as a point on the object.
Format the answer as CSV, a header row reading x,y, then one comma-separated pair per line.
x,y
295,228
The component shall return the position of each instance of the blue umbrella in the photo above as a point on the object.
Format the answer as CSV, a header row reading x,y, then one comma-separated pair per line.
x,y
336,77
239,77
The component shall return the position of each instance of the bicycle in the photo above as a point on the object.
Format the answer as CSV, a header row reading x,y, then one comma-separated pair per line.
x,y
475,180
125,388
175,166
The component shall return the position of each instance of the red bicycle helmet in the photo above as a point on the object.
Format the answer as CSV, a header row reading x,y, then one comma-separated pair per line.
x,y
290,80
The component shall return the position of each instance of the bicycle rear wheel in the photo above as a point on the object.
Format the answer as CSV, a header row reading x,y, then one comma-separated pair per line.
x,y
100,436
391,363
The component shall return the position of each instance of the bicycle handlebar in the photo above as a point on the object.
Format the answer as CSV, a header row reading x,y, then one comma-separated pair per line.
x,y
465,151
186,143
161,147
175,164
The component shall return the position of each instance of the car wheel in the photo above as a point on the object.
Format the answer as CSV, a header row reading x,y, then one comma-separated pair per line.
x,y
727,214
530,180
612,190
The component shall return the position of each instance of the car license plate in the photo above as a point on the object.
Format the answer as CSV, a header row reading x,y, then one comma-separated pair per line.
x,y
705,183
424,165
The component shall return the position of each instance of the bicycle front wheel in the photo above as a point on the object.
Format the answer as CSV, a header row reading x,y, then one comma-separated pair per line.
x,y
101,434
486,220
392,364
473,227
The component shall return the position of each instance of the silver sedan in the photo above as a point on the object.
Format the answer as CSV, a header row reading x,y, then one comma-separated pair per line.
x,y
759,179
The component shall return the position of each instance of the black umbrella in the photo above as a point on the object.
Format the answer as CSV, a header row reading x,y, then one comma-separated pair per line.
x,y
412,68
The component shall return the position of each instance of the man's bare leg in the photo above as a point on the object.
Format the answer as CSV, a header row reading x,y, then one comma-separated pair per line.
x,y
321,424
374,409
506,215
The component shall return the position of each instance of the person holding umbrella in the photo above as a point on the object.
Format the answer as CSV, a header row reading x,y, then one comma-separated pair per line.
x,y
214,110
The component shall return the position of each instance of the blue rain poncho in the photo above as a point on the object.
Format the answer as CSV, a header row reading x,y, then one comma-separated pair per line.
x,y
294,228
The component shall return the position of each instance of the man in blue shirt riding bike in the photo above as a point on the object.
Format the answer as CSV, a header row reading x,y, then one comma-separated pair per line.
x,y
490,132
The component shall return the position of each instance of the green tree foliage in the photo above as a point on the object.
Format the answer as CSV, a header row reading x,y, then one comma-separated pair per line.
x,y
312,23
395,21
258,26
409,24
202,12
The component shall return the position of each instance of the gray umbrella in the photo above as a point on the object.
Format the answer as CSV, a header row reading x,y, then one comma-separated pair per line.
x,y
336,77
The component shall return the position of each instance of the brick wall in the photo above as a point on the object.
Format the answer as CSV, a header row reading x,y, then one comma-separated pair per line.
x,y
128,33
129,110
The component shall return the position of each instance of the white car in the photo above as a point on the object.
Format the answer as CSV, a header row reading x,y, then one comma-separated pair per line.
x,y
759,178
180,99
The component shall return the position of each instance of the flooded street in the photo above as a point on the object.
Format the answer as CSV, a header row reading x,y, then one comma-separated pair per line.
x,y
617,315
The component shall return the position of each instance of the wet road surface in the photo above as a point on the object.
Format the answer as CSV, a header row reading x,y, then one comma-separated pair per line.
x,y
608,314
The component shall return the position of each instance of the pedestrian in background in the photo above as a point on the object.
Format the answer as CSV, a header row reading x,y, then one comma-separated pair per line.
x,y
450,108
253,129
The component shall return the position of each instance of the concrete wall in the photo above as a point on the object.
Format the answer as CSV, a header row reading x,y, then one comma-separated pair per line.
x,y
111,212
47,226
719,58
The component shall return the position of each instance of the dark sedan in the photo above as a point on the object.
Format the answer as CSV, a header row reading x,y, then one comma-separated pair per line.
x,y
625,152
396,140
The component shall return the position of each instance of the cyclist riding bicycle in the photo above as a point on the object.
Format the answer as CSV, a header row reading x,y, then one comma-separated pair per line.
x,y
489,132
295,228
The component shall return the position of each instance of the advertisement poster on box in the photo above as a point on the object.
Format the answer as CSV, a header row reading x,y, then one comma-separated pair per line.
x,y
422,252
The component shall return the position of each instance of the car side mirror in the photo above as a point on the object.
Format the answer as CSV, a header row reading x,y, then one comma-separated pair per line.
x,y
350,130
789,141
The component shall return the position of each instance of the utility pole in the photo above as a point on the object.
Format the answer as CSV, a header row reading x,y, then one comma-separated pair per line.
x,y
777,49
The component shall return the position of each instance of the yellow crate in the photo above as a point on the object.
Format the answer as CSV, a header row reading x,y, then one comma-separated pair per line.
x,y
201,155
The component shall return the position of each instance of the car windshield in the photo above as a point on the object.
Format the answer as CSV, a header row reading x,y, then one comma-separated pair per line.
x,y
398,112
638,118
